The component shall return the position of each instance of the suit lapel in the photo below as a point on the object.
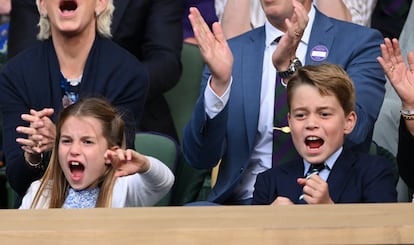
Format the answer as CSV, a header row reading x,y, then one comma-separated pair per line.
x,y
292,170
251,80
120,6
341,174
321,28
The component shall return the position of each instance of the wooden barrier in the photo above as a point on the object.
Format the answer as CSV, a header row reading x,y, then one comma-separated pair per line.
x,y
300,224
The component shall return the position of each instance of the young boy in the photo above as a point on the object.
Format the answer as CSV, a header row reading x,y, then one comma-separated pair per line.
x,y
321,102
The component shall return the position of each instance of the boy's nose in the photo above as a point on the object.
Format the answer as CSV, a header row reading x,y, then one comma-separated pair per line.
x,y
311,122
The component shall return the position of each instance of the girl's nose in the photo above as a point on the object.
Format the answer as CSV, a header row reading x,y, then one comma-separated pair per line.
x,y
75,148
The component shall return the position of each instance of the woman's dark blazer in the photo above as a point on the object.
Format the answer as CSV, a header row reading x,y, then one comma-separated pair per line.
x,y
149,29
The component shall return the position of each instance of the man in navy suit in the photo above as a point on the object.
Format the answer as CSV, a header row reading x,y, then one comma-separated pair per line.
x,y
321,102
150,30
232,122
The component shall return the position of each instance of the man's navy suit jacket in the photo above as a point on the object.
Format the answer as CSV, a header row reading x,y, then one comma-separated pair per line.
x,y
231,135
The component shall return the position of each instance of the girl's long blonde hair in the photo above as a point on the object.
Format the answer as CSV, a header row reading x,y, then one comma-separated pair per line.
x,y
54,184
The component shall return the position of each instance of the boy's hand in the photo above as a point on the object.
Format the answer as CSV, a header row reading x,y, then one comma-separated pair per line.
x,y
315,190
282,201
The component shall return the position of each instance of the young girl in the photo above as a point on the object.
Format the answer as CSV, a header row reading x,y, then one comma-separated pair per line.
x,y
90,168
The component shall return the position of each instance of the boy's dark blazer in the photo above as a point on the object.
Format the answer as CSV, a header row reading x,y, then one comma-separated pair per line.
x,y
355,178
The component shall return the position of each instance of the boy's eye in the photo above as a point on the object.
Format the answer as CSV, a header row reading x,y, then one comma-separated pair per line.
x,y
299,115
88,142
325,114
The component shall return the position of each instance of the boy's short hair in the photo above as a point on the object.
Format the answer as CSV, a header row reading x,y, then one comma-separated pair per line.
x,y
329,79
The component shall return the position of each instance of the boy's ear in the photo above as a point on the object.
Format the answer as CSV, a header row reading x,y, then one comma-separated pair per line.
x,y
288,116
350,121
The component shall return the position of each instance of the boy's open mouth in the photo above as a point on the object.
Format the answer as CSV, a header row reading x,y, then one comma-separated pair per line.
x,y
314,142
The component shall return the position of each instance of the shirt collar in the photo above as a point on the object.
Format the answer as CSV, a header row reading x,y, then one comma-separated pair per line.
x,y
330,162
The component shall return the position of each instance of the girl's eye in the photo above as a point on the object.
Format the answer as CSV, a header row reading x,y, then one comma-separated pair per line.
x,y
65,141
